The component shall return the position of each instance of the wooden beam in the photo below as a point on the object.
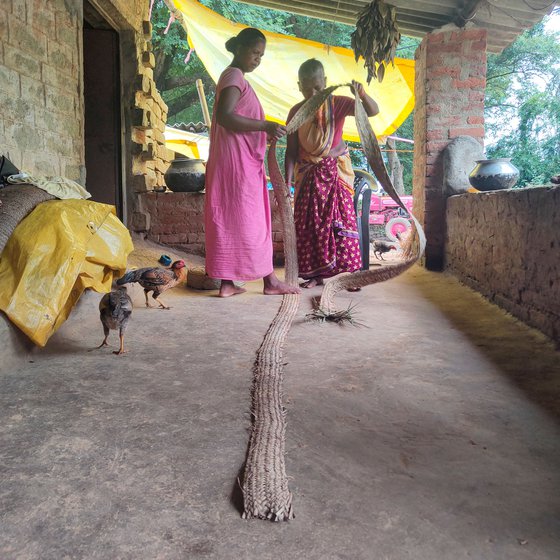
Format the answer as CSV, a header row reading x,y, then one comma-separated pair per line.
x,y
409,24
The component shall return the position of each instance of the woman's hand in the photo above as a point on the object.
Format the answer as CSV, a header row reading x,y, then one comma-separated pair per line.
x,y
358,88
370,105
274,130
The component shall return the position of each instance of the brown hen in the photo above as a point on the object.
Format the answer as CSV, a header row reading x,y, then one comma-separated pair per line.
x,y
156,280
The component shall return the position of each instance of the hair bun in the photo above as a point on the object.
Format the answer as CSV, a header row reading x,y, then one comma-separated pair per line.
x,y
231,44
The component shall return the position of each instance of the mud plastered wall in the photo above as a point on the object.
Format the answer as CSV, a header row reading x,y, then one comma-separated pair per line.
x,y
506,245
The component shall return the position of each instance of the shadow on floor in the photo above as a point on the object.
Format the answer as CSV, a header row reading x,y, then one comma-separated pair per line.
x,y
523,354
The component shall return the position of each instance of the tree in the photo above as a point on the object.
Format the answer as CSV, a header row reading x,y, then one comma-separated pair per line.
x,y
176,80
395,166
522,106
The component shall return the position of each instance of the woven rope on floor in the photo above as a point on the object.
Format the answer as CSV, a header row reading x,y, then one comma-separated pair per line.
x,y
265,483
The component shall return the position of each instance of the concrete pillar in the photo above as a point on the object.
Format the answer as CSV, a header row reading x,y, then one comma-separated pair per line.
x,y
449,89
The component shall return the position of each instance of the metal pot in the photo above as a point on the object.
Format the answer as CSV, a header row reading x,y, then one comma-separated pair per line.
x,y
494,174
185,175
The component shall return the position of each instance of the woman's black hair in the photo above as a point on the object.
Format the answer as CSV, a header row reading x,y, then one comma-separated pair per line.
x,y
310,68
245,38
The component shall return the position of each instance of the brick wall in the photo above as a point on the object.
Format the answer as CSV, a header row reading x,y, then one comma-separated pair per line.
x,y
506,245
449,88
41,116
177,219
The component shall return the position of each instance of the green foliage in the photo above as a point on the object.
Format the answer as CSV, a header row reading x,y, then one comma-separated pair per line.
x,y
523,105
174,79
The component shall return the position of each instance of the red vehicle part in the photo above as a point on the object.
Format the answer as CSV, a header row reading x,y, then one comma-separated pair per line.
x,y
385,211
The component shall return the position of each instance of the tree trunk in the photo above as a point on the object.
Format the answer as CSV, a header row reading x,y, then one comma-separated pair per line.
x,y
395,167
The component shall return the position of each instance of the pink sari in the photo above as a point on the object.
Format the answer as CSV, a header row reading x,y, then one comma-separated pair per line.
x,y
237,210
325,220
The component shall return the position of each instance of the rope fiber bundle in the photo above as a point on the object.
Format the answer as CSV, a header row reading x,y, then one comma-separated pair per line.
x,y
265,483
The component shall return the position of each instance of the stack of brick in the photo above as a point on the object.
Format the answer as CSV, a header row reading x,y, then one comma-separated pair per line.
x,y
449,88
177,219
150,156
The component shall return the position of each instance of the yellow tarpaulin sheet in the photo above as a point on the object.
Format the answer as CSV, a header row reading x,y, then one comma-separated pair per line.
x,y
275,80
54,254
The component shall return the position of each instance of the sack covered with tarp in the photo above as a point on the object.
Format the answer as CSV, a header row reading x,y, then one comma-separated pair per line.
x,y
61,248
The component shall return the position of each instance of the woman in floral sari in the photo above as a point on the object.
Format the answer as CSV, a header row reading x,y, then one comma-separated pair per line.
x,y
318,159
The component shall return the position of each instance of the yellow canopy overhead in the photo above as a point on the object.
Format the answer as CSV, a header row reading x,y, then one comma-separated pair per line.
x,y
275,80
187,143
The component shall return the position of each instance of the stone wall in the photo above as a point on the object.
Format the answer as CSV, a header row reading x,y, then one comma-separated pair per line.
x,y
449,89
506,245
41,93
41,116
177,219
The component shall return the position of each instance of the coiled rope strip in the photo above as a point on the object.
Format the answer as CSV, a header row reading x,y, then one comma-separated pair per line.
x,y
265,483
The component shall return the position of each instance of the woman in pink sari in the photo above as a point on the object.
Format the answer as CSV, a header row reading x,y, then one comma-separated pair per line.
x,y
318,158
237,212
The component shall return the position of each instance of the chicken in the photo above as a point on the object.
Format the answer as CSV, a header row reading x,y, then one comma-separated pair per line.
x,y
115,309
382,247
156,280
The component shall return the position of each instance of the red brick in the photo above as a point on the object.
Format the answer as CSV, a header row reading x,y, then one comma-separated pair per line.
x,y
475,131
434,172
475,107
435,37
434,60
470,83
478,46
477,70
448,48
198,237
157,229
433,193
432,159
435,135
452,121
476,96
173,238
453,71
473,34
435,146
475,120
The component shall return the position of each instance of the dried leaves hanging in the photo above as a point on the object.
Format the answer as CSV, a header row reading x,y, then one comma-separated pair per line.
x,y
376,38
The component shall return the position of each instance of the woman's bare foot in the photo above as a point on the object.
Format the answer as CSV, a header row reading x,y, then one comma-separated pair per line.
x,y
274,287
228,289
312,282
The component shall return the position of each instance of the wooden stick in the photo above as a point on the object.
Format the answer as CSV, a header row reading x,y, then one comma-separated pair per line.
x,y
203,104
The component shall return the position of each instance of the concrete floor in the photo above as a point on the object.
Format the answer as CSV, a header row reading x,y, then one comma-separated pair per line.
x,y
432,433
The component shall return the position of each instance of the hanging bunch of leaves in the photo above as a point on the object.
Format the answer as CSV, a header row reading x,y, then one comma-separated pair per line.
x,y
376,38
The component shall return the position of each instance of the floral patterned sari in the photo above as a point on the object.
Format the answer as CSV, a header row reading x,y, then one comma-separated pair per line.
x,y
325,220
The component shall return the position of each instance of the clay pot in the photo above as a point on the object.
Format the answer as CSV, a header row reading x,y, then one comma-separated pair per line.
x,y
493,174
185,175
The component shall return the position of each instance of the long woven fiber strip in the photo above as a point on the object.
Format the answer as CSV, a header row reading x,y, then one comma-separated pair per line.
x,y
266,494
415,245
265,484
